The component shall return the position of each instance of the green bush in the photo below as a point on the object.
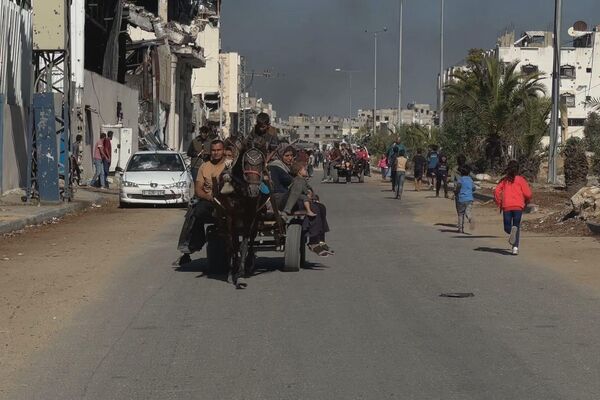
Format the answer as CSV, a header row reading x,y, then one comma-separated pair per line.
x,y
576,164
592,140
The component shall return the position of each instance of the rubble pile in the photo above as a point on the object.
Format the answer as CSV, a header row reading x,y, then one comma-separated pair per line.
x,y
586,203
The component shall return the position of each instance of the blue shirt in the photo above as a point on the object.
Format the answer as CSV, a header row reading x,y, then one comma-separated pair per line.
x,y
433,160
467,187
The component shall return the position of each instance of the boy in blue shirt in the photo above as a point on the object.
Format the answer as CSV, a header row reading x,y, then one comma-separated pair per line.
x,y
465,187
432,162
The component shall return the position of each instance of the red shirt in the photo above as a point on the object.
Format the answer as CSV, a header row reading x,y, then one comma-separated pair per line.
x,y
513,196
99,150
362,155
107,149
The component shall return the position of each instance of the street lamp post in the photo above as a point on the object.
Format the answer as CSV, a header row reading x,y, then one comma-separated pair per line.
x,y
349,73
375,37
441,102
553,150
400,65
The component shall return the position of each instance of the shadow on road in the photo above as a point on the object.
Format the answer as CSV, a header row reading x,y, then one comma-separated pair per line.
x,y
201,266
264,265
475,237
446,225
455,230
503,252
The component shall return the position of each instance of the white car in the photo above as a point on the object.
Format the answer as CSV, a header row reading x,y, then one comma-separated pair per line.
x,y
156,177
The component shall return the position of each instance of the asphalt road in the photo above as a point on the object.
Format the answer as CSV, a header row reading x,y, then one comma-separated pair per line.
x,y
367,323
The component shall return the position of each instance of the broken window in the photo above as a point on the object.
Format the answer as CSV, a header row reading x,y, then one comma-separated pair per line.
x,y
568,100
583,41
576,121
530,69
567,71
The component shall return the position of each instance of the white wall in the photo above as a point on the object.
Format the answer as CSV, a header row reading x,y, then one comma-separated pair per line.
x,y
206,79
100,97
231,81
583,85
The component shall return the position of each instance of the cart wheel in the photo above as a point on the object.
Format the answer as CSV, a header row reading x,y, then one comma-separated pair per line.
x,y
294,246
216,253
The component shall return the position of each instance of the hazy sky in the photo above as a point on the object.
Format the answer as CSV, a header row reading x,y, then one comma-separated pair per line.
x,y
305,40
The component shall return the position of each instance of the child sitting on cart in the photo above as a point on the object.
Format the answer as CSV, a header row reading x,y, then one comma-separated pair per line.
x,y
299,190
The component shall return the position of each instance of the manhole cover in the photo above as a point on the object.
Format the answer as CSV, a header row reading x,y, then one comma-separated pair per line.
x,y
457,295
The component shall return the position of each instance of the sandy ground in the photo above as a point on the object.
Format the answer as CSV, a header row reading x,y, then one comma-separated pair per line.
x,y
48,272
567,252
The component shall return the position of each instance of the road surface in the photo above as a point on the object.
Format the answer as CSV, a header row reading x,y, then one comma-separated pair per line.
x,y
368,323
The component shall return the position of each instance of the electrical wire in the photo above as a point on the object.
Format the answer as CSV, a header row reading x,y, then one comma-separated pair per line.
x,y
97,98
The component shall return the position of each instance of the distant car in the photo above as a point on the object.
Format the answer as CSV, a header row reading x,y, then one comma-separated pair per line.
x,y
156,177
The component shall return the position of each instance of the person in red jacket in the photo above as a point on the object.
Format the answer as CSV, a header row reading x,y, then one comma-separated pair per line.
x,y
512,195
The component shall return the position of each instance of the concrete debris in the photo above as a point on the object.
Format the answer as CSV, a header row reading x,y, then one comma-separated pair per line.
x,y
585,203
484,177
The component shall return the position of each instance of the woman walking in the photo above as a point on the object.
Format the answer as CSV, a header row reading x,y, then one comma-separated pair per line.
x,y
400,173
512,195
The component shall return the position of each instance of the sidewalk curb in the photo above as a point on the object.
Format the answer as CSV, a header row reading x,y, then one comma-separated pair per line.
x,y
47,215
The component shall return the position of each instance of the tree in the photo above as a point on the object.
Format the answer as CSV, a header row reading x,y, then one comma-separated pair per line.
x,y
532,123
576,165
592,140
489,94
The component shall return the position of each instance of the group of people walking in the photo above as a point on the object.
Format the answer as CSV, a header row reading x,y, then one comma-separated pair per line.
x,y
512,194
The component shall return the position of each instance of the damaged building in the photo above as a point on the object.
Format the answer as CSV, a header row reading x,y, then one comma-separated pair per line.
x,y
206,80
147,70
161,55
15,91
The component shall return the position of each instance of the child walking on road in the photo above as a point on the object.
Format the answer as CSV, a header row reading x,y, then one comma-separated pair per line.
x,y
464,191
512,195
383,164
441,172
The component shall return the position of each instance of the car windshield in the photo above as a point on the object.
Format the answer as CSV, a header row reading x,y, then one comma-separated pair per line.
x,y
155,162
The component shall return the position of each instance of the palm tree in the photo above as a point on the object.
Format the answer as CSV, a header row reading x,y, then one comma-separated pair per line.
x,y
413,136
594,103
491,93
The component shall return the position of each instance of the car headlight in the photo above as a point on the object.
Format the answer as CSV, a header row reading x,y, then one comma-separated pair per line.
x,y
129,184
177,185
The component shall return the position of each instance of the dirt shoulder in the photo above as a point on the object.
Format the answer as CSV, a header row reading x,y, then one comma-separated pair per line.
x,y
49,272
565,248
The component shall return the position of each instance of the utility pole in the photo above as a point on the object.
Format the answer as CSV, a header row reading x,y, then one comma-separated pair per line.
x,y
400,65
375,37
553,150
349,73
441,102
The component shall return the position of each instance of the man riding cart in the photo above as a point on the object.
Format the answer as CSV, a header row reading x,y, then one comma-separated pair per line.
x,y
246,209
